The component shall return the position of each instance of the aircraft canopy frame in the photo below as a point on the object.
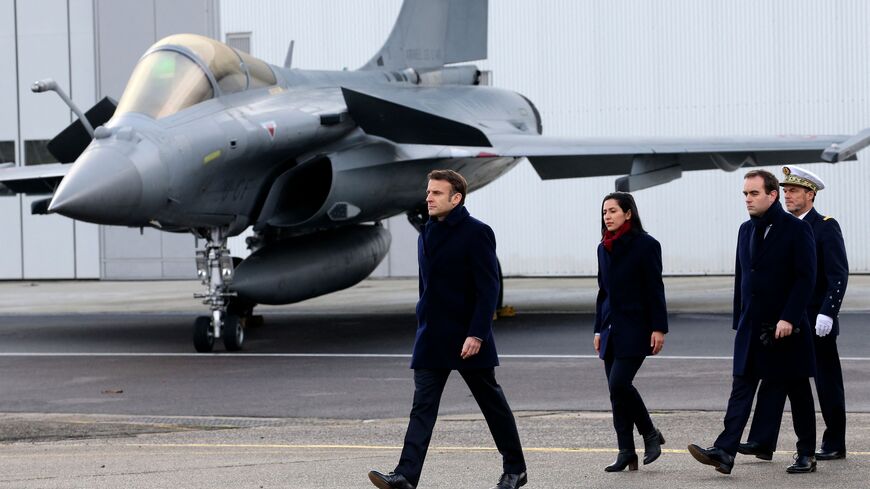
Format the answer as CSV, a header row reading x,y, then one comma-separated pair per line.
x,y
183,70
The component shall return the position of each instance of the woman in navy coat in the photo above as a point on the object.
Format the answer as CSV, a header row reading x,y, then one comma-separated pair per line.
x,y
630,321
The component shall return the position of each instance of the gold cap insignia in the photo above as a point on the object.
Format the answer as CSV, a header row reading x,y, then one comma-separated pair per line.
x,y
803,178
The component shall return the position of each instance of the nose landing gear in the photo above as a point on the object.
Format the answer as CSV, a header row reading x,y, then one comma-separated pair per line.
x,y
215,268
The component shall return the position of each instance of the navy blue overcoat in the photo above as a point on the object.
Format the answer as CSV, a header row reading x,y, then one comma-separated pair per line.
x,y
774,285
832,269
631,295
459,288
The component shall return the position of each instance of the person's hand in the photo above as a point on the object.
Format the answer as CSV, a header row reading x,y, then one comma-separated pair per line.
x,y
656,342
596,342
783,329
470,348
824,324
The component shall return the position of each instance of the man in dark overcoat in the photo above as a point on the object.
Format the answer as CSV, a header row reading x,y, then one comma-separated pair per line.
x,y
459,289
774,276
800,187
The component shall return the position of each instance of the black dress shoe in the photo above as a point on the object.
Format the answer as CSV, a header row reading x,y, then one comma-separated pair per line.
x,y
389,481
755,448
512,481
830,454
626,458
714,456
652,446
803,464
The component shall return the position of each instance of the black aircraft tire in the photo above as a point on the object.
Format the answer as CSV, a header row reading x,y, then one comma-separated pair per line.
x,y
233,333
203,339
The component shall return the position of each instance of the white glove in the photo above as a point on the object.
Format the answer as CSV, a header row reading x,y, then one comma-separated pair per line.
x,y
823,324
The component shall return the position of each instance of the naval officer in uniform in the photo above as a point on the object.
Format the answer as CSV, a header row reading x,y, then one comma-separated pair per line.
x,y
801,187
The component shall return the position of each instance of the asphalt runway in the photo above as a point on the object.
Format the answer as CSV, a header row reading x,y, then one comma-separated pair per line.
x,y
352,366
121,400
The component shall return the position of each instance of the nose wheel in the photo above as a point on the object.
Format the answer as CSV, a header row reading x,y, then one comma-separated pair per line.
x,y
233,333
215,267
203,337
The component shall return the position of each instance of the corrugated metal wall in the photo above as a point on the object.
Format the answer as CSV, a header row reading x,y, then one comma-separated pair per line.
x,y
631,68
51,38
89,47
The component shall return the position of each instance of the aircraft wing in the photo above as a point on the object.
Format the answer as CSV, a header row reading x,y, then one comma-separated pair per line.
x,y
556,158
445,117
34,180
649,162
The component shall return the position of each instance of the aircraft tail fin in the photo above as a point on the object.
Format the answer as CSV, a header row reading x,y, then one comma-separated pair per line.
x,y
431,33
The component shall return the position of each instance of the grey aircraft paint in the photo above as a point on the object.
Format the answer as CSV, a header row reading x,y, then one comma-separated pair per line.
x,y
211,141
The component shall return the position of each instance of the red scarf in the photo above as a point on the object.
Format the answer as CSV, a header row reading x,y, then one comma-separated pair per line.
x,y
610,237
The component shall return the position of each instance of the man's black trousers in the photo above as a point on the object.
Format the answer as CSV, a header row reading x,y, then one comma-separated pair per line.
x,y
829,386
429,385
771,401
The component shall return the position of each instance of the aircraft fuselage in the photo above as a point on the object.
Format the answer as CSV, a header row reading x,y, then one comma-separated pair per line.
x,y
286,155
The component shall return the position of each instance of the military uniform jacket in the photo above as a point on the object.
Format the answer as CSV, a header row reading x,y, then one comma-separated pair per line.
x,y
459,289
774,284
832,272
631,295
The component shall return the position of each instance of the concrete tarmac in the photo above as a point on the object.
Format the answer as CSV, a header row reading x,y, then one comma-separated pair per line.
x,y
704,294
99,389
563,450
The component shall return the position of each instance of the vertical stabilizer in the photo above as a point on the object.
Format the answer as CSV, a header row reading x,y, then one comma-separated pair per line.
x,y
432,33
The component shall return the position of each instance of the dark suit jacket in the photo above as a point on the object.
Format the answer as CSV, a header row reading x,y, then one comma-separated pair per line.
x,y
775,284
631,295
832,272
459,289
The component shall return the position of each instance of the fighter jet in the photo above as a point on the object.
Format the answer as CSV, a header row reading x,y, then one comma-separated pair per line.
x,y
212,141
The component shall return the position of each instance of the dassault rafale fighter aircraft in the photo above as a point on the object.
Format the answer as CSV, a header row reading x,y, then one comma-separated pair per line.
x,y
212,141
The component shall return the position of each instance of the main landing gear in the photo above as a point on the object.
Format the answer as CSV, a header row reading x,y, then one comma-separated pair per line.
x,y
215,266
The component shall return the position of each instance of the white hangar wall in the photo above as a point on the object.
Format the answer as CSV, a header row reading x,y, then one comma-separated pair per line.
x,y
629,68
49,38
90,48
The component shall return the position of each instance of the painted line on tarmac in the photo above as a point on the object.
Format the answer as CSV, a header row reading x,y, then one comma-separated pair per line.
x,y
348,355
270,446
273,446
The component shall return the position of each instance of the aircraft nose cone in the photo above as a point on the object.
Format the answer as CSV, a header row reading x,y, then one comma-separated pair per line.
x,y
103,187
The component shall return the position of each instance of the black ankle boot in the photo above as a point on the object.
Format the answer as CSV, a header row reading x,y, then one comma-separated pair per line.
x,y
652,446
626,458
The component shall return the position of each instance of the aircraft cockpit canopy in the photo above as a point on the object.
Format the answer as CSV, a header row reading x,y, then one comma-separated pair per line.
x,y
170,77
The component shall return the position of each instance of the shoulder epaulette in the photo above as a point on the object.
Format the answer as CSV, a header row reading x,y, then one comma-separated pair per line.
x,y
827,217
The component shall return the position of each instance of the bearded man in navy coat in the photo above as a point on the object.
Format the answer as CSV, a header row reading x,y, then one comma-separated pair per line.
x,y
459,288
774,278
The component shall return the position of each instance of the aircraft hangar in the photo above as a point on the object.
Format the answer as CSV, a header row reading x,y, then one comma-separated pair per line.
x,y
90,48
593,69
